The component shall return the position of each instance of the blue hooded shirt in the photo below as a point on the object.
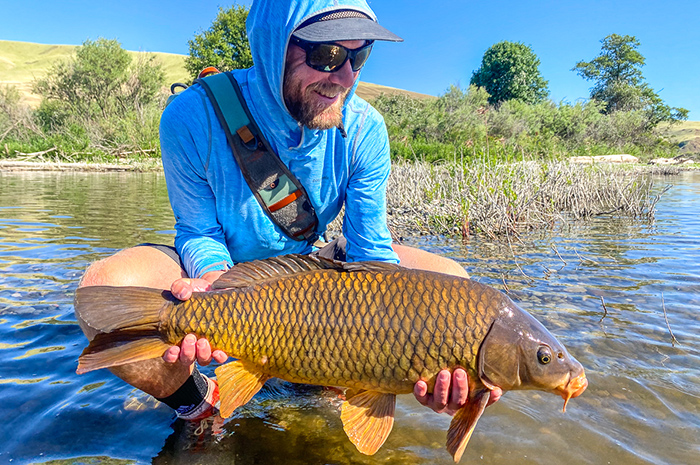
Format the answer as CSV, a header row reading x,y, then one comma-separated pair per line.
x,y
218,220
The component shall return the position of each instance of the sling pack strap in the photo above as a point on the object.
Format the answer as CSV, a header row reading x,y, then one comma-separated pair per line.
x,y
278,191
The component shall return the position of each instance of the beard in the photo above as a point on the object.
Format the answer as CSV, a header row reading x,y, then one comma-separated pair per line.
x,y
307,110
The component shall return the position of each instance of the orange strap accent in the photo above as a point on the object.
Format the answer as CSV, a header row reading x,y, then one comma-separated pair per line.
x,y
285,201
246,135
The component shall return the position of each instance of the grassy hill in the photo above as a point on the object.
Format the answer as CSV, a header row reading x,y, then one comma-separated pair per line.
x,y
21,63
686,134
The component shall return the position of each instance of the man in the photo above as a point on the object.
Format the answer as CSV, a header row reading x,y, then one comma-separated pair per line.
x,y
300,92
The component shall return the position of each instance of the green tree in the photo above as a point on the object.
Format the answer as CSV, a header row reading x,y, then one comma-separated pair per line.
x,y
101,80
101,100
510,70
224,45
619,83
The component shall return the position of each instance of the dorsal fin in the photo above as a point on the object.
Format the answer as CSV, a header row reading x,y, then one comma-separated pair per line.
x,y
248,273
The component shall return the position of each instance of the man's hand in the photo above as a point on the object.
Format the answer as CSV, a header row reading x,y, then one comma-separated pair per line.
x,y
191,349
446,398
183,288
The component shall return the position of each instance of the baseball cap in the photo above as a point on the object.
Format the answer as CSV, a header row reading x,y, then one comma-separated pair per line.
x,y
343,25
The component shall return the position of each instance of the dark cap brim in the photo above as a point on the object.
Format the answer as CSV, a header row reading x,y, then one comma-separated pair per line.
x,y
345,29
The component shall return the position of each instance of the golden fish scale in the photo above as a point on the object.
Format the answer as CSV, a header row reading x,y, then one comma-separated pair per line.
x,y
368,330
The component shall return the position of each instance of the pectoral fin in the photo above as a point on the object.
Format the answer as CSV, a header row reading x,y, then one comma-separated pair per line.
x,y
463,424
368,418
238,383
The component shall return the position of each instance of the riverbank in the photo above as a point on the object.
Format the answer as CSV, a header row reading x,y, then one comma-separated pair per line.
x,y
497,201
131,165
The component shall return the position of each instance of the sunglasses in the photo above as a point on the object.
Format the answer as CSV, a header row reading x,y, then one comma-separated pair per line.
x,y
329,57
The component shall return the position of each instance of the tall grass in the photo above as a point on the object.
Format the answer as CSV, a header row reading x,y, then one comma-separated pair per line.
x,y
481,197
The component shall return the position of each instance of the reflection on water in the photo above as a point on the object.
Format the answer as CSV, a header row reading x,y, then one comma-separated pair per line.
x,y
611,290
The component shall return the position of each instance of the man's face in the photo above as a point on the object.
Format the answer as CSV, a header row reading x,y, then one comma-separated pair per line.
x,y
314,98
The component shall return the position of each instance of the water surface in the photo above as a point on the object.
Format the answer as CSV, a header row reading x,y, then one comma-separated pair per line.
x,y
612,291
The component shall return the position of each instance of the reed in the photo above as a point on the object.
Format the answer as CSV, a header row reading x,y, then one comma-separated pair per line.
x,y
499,201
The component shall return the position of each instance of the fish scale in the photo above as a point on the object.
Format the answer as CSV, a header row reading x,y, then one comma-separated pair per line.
x,y
389,329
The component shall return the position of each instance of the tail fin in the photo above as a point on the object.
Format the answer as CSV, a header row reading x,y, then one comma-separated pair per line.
x,y
128,320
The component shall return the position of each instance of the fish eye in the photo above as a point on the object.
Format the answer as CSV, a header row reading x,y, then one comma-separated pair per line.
x,y
544,355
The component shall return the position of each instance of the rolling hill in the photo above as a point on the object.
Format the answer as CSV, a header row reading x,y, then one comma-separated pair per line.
x,y
21,63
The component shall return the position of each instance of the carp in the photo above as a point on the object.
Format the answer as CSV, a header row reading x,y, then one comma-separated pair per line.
x,y
372,327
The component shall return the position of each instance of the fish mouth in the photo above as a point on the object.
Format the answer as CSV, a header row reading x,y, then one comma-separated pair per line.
x,y
573,388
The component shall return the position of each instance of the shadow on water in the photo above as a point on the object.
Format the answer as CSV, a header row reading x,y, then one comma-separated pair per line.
x,y
611,290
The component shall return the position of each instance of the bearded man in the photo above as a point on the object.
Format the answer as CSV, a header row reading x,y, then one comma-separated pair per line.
x,y
301,94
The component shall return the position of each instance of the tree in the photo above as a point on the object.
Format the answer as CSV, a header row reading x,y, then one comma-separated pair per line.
x,y
224,45
101,80
509,71
619,83
102,99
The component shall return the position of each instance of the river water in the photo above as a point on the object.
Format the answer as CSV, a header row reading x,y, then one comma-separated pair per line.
x,y
624,297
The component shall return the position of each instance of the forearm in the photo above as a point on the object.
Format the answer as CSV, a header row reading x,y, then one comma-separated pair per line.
x,y
202,254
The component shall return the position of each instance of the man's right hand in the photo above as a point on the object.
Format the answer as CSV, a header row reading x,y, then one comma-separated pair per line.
x,y
191,349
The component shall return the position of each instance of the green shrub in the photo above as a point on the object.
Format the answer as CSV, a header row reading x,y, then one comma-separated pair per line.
x,y
101,103
461,124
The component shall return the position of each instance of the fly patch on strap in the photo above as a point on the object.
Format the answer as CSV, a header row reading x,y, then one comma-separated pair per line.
x,y
278,191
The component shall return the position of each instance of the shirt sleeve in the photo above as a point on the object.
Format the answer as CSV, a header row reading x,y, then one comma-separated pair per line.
x,y
364,225
185,133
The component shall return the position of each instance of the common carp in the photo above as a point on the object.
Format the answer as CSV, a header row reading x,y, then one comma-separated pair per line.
x,y
372,327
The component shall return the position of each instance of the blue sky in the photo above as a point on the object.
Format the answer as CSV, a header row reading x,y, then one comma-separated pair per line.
x,y
444,40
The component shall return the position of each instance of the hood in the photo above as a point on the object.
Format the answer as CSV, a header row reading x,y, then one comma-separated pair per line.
x,y
270,25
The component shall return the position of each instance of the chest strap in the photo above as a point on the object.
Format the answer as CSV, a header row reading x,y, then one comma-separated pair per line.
x,y
278,191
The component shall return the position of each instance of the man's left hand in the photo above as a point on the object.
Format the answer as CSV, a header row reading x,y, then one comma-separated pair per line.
x,y
450,393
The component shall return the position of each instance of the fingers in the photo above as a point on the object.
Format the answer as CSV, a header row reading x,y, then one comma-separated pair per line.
x,y
441,391
440,400
450,393
205,355
183,288
460,390
495,395
420,391
192,349
203,352
219,356
188,350
172,354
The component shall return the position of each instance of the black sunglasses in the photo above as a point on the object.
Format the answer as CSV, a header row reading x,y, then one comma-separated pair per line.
x,y
330,57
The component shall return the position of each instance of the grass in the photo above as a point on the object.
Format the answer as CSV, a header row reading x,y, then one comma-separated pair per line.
x,y
503,200
21,63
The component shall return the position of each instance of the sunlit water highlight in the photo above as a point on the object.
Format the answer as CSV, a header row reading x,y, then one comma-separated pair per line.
x,y
602,288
